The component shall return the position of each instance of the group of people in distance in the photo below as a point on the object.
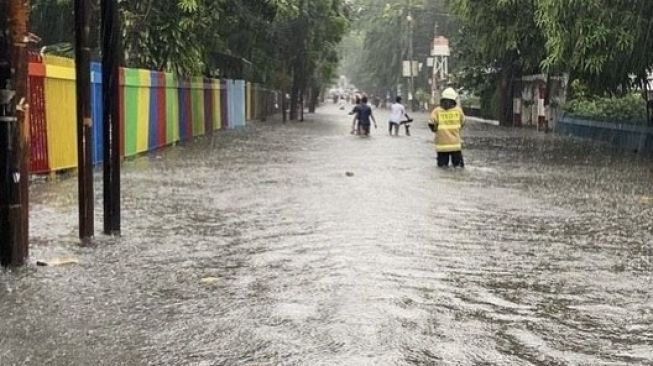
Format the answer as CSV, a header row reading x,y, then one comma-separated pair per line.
x,y
446,122
363,118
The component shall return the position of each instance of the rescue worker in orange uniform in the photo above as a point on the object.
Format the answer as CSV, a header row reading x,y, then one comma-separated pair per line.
x,y
447,121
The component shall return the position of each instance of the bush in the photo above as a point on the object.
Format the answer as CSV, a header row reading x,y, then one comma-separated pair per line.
x,y
470,101
630,108
490,103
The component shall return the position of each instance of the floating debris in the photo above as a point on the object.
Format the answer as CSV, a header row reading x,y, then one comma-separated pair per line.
x,y
209,280
646,199
58,262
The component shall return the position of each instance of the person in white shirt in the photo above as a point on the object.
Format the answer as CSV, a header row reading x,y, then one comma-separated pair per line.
x,y
398,116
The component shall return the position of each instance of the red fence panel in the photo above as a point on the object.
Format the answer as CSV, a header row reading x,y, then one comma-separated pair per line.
x,y
38,123
208,107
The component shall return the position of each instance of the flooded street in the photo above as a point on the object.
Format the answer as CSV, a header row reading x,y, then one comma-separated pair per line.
x,y
255,248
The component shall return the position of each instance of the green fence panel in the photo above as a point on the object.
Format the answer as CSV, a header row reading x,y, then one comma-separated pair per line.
x,y
132,82
172,109
197,95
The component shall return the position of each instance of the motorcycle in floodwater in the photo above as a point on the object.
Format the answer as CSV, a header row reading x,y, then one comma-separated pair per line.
x,y
407,125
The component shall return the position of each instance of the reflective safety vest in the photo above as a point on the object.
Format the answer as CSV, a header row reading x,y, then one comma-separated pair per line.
x,y
447,133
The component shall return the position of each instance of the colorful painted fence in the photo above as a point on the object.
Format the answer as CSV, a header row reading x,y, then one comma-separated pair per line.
x,y
38,129
262,102
157,110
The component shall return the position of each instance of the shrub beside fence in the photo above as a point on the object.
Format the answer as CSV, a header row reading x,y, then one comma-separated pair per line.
x,y
156,109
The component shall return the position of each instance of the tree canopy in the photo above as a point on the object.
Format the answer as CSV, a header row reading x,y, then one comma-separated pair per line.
x,y
379,42
288,44
601,43
296,45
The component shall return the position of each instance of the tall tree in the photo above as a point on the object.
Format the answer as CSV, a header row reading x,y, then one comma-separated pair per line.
x,y
602,43
499,41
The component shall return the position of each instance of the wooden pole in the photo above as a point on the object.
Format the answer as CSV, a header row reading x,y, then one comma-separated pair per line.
x,y
14,132
111,111
84,121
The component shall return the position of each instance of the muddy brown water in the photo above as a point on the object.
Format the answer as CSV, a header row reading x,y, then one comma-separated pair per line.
x,y
255,247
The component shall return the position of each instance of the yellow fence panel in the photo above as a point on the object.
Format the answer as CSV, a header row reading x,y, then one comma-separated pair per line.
x,y
61,112
144,90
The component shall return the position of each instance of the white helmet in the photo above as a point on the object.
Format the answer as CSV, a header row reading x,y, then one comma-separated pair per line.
x,y
450,93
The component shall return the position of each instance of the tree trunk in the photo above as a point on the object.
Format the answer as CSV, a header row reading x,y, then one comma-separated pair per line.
x,y
503,100
111,51
284,106
294,97
14,133
301,106
84,122
311,107
507,94
313,99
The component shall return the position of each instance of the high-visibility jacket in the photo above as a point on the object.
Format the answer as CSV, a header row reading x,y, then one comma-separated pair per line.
x,y
448,123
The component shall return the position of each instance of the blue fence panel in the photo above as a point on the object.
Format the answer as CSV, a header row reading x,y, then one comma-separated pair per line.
x,y
235,98
231,97
240,105
96,112
622,135
184,118
152,141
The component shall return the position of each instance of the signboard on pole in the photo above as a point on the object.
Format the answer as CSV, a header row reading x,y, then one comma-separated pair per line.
x,y
440,47
406,69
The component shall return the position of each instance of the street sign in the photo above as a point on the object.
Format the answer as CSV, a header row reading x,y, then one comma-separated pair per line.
x,y
440,47
406,69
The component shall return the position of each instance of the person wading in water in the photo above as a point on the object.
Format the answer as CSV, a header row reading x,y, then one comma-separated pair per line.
x,y
354,112
364,117
398,116
447,121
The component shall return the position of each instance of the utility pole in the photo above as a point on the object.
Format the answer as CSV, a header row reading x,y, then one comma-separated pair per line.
x,y
14,132
111,52
411,55
648,82
435,88
84,121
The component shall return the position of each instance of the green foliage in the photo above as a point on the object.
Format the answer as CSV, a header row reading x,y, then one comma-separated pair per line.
x,y
630,108
60,49
599,42
496,33
52,20
286,41
471,101
373,52
490,102
422,96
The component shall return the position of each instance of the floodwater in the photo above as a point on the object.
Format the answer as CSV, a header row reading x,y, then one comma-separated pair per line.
x,y
255,248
